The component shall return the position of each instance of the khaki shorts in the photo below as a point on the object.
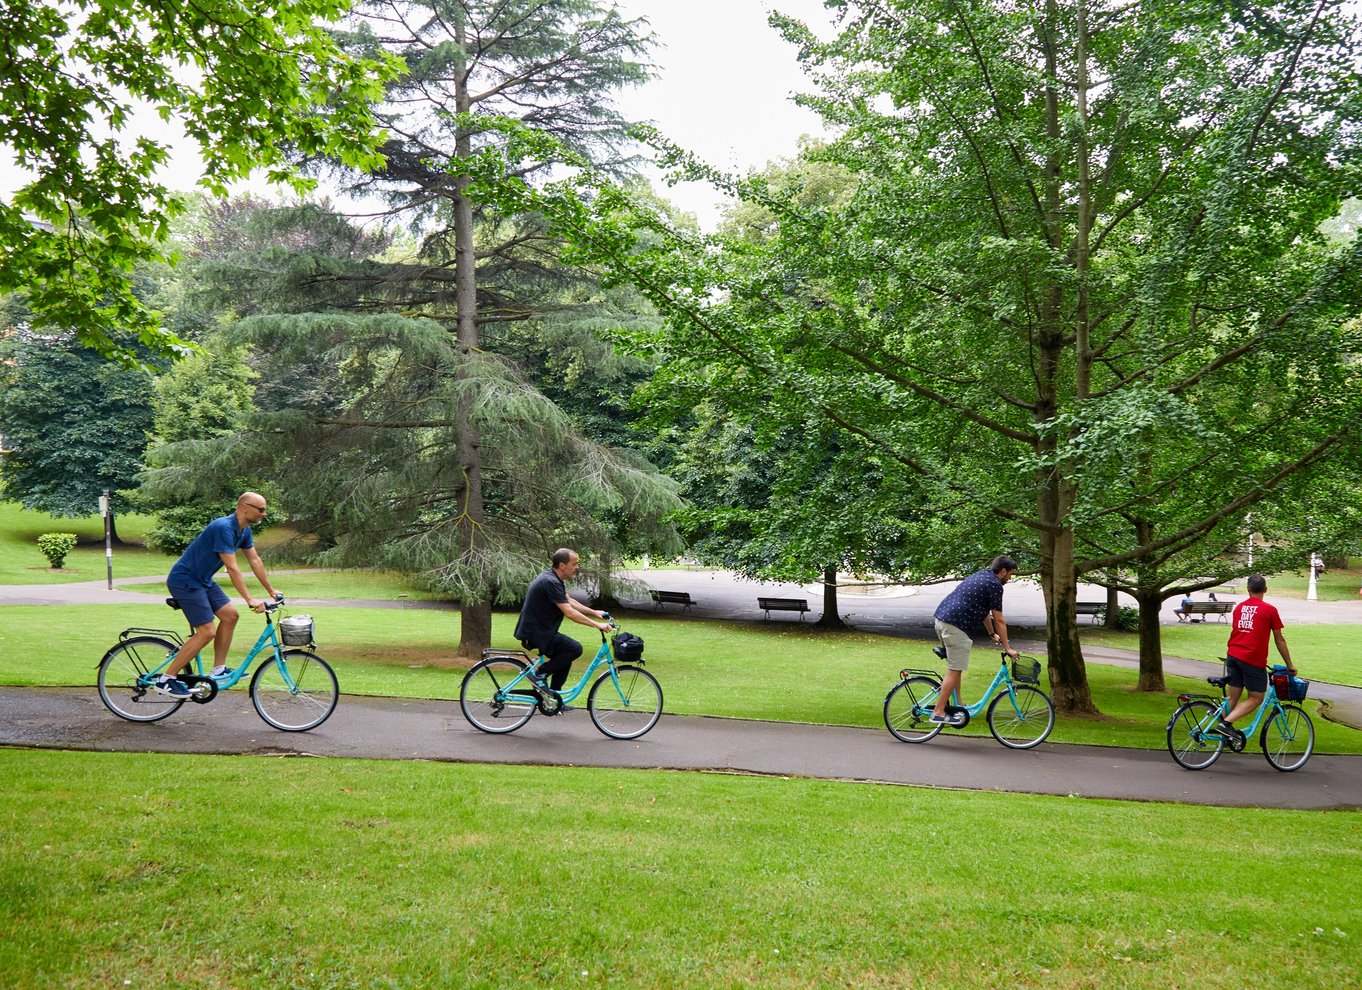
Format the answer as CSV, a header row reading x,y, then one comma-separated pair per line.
x,y
958,644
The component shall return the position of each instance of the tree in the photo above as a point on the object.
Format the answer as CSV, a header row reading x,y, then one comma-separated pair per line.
x,y
355,415
75,425
248,81
1079,229
550,63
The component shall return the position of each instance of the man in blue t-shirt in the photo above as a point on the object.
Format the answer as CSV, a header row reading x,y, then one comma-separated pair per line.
x,y
191,584
546,603
973,608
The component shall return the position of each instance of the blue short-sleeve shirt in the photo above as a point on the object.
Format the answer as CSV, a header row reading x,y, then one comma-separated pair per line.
x,y
972,600
200,560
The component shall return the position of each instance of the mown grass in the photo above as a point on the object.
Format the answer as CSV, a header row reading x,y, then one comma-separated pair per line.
x,y
21,562
355,584
159,870
1325,652
743,670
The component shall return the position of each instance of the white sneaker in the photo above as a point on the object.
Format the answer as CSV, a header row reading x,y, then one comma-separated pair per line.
x,y
172,687
221,670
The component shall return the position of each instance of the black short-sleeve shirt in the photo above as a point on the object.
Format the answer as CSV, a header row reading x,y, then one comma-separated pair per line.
x,y
540,616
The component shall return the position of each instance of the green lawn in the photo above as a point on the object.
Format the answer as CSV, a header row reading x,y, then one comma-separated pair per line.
x,y
1322,652
369,585
22,563
747,670
244,872
1335,584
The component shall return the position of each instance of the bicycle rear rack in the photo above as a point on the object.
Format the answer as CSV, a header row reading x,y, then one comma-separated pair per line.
x,y
138,631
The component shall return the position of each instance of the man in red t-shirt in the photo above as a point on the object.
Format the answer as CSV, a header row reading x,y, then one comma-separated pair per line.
x,y
1251,623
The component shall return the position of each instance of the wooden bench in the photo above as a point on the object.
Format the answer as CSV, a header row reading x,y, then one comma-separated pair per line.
x,y
661,598
1098,610
1221,609
769,605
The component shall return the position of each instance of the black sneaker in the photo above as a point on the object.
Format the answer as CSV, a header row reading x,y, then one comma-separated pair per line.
x,y
1232,735
172,687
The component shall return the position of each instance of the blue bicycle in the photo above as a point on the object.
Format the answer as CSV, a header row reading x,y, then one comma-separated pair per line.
x,y
1020,716
293,690
501,692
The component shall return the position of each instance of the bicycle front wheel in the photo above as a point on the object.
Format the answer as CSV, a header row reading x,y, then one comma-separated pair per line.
x,y
484,698
628,710
907,708
1024,722
297,696
1190,739
120,680
1288,739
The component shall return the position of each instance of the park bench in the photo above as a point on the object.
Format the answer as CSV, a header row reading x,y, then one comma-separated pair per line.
x,y
1097,610
661,598
1221,609
770,605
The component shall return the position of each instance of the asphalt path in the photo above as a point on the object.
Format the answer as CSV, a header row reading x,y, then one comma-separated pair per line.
x,y
388,728
406,729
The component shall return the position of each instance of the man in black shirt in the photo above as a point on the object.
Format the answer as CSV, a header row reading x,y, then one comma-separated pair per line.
x,y
546,602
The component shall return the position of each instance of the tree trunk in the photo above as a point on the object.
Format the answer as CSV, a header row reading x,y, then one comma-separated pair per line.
x,y
475,633
1112,616
1068,675
1151,649
831,619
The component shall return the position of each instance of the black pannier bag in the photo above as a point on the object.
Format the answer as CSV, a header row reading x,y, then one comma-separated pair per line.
x,y
628,647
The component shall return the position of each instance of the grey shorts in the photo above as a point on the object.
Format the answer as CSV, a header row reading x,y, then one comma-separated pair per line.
x,y
1246,675
958,645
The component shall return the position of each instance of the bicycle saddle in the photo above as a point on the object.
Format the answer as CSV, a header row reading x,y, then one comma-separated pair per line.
x,y
173,604
1220,681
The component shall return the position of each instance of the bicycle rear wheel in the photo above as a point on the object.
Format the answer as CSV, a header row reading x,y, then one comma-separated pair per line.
x,y
303,699
907,708
630,710
1190,740
1288,739
484,699
120,687
1024,724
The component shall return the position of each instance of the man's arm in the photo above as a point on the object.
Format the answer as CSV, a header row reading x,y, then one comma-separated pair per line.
x,y
1000,632
258,569
239,582
1280,639
579,613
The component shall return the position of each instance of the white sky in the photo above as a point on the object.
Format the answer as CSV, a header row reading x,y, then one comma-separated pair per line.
x,y
723,90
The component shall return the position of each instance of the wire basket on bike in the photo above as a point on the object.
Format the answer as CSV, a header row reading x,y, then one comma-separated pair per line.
x,y
1026,670
296,630
1287,687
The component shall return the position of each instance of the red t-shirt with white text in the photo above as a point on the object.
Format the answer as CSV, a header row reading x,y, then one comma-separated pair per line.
x,y
1251,626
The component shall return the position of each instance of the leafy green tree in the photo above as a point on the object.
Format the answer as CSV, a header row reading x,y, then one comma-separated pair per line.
x,y
469,66
1079,230
249,82
74,424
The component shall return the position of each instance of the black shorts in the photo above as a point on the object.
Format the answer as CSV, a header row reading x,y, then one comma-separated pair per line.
x,y
1245,675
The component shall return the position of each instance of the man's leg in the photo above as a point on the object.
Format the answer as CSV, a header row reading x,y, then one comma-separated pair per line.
x,y
561,653
202,636
197,607
949,685
228,617
1246,707
958,645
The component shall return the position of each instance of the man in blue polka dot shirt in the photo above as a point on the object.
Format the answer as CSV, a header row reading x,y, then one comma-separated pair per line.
x,y
974,608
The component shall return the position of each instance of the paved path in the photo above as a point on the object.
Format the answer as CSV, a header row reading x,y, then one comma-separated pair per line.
x,y
394,728
74,718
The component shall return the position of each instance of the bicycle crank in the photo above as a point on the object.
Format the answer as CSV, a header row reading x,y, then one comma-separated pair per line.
x,y
201,689
959,716
550,701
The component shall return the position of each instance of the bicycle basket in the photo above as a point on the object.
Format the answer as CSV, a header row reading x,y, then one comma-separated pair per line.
x,y
1288,688
296,630
628,647
1026,670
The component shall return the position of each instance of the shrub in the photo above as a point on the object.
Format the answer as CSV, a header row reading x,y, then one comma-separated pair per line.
x,y
1128,619
55,547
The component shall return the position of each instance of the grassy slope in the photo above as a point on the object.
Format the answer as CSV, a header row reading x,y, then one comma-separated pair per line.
x,y
377,874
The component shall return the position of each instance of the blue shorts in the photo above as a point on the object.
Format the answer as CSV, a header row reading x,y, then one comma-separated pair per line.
x,y
1245,675
200,605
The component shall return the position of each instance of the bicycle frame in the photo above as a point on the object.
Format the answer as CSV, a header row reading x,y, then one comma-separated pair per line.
x,y
568,694
268,638
1270,704
1002,677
